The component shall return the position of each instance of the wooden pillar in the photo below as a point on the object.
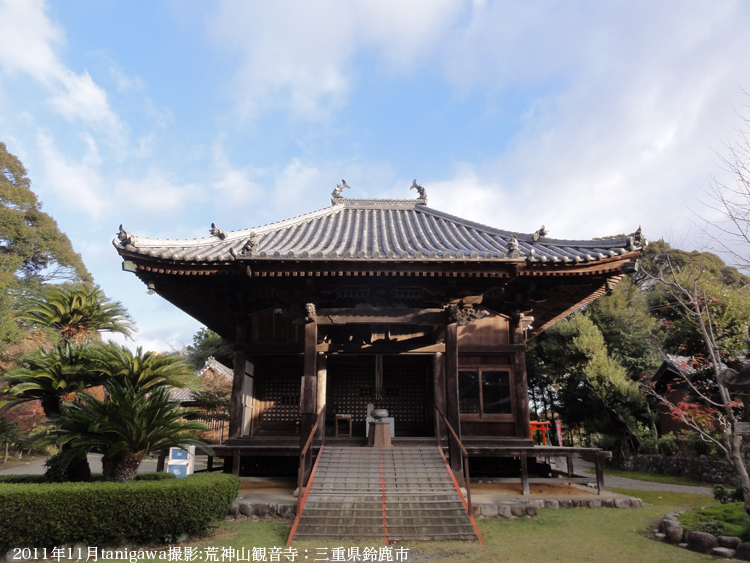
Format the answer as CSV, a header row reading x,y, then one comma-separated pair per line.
x,y
523,428
308,397
162,460
524,475
322,390
451,394
238,387
599,473
438,371
236,463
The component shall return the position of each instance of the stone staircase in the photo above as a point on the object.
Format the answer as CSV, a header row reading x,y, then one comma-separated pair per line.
x,y
392,494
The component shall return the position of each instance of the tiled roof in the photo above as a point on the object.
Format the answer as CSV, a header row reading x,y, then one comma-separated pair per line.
x,y
365,229
183,395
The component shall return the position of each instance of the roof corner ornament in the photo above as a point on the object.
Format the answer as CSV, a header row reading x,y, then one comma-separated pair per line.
x,y
541,233
420,189
124,237
637,239
513,248
336,193
464,314
217,232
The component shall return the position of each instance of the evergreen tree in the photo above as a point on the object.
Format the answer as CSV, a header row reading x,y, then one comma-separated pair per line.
x,y
33,250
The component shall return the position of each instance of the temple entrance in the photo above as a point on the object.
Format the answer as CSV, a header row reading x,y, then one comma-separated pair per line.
x,y
401,384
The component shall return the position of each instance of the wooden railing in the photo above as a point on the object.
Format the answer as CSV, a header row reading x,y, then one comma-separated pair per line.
x,y
303,457
464,454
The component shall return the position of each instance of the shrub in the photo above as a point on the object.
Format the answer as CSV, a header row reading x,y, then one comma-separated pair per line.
x,y
725,496
668,444
698,445
725,519
106,513
713,527
647,446
607,443
20,479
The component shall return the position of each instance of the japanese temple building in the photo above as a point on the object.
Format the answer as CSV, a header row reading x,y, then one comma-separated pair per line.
x,y
384,303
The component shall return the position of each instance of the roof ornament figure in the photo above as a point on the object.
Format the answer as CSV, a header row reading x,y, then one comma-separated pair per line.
x,y
513,249
217,232
124,237
638,238
541,233
463,314
336,193
420,189
252,242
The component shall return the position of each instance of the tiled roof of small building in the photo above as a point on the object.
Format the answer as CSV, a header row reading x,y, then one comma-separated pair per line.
x,y
367,229
212,364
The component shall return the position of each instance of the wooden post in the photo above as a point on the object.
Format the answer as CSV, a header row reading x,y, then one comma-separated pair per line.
x,y
451,395
322,389
523,428
308,396
571,469
236,463
439,391
238,383
599,473
524,474
210,463
161,461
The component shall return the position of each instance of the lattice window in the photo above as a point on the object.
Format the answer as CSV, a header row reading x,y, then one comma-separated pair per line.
x,y
280,399
352,387
404,391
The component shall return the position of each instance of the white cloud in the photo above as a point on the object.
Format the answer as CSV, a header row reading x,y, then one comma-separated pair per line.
x,y
77,185
628,101
298,55
234,190
155,193
30,44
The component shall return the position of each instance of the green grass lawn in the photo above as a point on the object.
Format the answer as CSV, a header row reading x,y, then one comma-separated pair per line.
x,y
599,535
653,477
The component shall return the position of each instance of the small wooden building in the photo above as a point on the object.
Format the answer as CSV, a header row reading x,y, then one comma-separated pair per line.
x,y
384,303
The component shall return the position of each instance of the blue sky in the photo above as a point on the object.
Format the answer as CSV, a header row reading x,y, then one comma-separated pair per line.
x,y
588,117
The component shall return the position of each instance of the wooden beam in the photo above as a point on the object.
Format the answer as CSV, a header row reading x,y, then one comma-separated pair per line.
x,y
381,347
490,350
238,382
376,315
377,347
273,349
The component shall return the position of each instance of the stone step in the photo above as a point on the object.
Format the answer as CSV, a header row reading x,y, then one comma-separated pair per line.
x,y
399,493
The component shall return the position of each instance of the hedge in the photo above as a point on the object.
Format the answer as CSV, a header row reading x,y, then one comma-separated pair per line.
x,y
112,514
19,479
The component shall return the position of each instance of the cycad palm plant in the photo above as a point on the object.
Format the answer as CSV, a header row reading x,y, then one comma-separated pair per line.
x,y
124,427
142,370
76,312
51,376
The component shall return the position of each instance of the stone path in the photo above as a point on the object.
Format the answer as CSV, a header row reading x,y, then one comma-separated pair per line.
x,y
636,484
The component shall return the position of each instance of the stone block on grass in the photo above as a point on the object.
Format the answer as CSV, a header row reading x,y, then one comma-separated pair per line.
x,y
701,542
729,541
